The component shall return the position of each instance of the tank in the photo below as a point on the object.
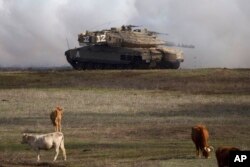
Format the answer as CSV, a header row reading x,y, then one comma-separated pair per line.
x,y
126,47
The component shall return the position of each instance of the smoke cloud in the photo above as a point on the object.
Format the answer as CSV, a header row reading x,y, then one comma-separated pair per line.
x,y
34,33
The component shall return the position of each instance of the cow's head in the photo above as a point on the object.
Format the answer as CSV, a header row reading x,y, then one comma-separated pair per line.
x,y
207,150
26,138
60,109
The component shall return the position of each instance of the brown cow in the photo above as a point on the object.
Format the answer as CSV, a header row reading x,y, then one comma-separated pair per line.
x,y
200,138
222,155
56,118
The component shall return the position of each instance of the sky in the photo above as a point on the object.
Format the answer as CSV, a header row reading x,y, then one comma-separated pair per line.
x,y
34,33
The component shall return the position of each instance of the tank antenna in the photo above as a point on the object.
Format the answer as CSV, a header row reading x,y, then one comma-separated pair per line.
x,y
67,42
105,24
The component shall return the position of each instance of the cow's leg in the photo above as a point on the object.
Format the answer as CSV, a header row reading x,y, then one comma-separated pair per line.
x,y
38,155
197,151
63,150
59,125
56,129
57,152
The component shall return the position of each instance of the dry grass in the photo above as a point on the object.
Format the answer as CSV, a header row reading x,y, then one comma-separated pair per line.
x,y
204,81
124,118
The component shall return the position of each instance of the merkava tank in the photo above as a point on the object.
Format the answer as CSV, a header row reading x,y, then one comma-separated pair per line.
x,y
127,47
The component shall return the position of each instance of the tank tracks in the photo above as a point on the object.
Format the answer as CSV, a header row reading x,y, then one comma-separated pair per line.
x,y
95,66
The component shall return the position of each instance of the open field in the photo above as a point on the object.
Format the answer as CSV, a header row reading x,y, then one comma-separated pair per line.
x,y
124,118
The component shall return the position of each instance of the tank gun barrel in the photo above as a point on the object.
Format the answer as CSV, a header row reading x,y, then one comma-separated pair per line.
x,y
156,33
185,46
181,45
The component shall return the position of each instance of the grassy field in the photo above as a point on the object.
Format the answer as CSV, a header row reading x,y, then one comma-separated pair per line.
x,y
124,118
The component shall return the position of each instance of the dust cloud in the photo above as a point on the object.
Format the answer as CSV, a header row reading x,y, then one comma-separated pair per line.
x,y
34,33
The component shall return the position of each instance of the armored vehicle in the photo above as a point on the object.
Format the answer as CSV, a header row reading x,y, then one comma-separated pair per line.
x,y
126,47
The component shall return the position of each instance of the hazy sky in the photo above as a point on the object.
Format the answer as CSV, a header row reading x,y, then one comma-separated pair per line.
x,y
34,32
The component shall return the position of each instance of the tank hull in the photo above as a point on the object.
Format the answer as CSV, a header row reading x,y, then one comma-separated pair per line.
x,y
106,57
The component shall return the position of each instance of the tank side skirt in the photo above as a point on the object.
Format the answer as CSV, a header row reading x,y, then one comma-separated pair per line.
x,y
105,57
